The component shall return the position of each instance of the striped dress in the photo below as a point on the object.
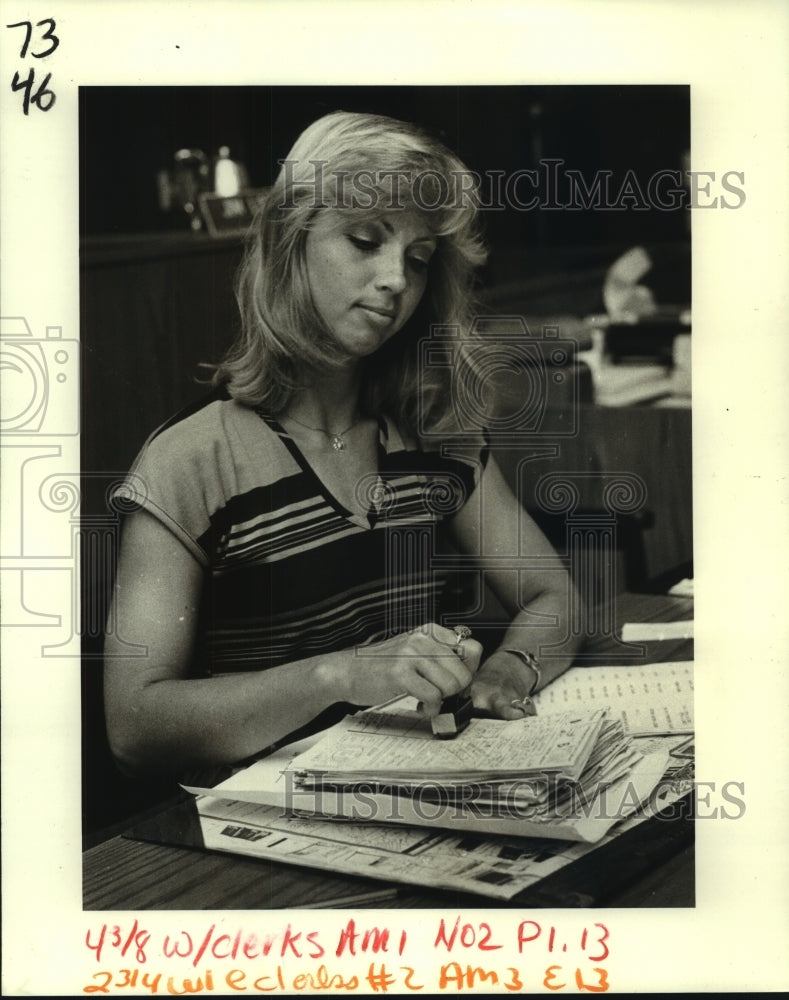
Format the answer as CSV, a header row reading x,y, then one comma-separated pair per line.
x,y
290,572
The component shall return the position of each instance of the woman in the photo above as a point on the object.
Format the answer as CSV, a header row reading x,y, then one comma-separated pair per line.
x,y
284,553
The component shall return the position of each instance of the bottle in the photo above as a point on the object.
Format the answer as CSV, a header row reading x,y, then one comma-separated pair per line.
x,y
229,176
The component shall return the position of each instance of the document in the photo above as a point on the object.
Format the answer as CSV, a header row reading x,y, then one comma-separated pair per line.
x,y
656,631
399,746
682,589
649,699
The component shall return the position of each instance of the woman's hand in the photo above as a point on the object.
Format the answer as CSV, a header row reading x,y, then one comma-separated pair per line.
x,y
500,681
425,663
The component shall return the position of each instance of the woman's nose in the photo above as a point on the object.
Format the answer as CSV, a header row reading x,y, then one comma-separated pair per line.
x,y
391,274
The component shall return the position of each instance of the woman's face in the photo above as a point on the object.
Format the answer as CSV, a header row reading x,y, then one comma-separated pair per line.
x,y
367,274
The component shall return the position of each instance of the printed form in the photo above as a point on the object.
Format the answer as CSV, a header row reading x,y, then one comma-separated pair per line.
x,y
651,698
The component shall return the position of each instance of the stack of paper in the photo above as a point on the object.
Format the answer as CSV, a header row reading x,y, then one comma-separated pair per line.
x,y
537,770
398,747
258,812
571,775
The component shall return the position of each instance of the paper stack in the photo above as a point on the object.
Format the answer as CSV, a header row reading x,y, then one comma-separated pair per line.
x,y
517,801
540,770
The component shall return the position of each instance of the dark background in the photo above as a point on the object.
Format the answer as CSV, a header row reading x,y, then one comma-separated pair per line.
x,y
127,134
156,300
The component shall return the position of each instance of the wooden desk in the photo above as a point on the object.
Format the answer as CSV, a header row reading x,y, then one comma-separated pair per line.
x,y
651,865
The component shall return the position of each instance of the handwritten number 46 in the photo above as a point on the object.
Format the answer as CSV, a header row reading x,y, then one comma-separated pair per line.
x,y
43,98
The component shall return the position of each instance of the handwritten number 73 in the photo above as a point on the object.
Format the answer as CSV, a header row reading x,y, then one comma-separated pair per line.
x,y
47,36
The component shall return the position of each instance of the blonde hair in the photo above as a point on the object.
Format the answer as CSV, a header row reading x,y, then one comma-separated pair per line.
x,y
283,340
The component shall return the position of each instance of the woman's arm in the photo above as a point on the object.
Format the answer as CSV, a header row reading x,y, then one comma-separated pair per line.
x,y
160,718
493,526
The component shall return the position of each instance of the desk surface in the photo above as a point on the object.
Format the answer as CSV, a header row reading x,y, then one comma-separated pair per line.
x,y
651,865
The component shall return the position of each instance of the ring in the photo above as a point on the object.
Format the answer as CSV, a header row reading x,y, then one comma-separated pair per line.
x,y
462,632
525,705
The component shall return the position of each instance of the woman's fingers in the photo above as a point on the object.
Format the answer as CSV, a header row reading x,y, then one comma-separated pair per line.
x,y
447,640
445,682
442,634
502,700
430,681
425,663
426,693
512,708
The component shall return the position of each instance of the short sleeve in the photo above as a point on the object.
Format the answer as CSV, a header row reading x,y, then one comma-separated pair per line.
x,y
469,461
179,478
467,458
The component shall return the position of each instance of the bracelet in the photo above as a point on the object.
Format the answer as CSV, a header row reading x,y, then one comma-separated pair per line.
x,y
531,661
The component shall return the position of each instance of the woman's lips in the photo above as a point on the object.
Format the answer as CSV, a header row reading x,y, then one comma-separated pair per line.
x,y
378,314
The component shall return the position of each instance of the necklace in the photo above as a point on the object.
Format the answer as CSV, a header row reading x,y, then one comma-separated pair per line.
x,y
337,441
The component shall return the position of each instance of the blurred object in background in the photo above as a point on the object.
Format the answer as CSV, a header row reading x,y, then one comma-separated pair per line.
x,y
205,195
680,373
627,301
181,185
640,348
639,330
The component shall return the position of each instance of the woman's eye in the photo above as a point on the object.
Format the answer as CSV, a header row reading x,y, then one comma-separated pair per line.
x,y
362,243
418,263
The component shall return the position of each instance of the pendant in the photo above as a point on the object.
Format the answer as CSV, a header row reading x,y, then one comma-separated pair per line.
x,y
337,443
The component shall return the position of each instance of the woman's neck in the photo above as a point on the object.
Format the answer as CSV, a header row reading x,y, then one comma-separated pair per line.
x,y
330,402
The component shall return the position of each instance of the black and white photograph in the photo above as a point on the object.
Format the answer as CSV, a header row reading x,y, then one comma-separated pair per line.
x,y
388,534
432,457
